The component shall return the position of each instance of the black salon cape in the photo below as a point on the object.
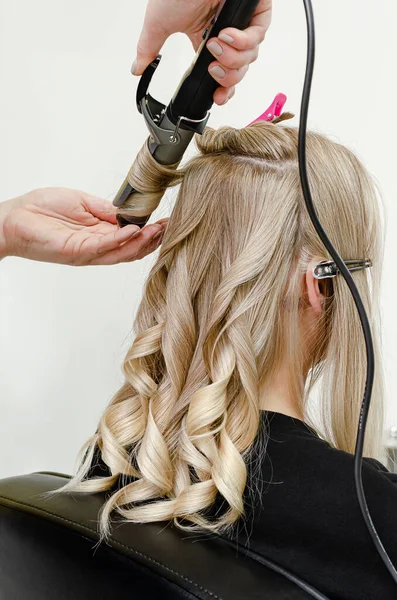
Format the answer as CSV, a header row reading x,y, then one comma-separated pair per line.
x,y
302,511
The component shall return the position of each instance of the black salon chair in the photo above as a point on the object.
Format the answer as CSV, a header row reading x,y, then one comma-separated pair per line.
x,y
48,552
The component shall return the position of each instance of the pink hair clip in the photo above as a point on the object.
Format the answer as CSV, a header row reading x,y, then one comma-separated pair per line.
x,y
274,109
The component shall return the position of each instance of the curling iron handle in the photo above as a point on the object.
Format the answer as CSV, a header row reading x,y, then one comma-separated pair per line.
x,y
194,96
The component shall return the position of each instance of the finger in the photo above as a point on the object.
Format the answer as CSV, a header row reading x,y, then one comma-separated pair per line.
x,y
255,33
100,208
223,95
227,77
111,241
130,250
163,222
130,254
248,39
150,248
230,57
149,45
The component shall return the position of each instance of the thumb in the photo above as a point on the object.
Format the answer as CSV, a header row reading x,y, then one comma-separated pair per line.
x,y
149,45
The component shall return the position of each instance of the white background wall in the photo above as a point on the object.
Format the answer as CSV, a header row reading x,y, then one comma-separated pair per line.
x,y
68,118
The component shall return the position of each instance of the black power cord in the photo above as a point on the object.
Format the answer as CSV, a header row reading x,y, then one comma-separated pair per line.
x,y
358,453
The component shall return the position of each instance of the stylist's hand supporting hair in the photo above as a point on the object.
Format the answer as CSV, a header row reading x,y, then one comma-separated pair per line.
x,y
72,228
234,50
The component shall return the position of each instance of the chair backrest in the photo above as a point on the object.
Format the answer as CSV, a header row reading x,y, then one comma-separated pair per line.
x,y
48,550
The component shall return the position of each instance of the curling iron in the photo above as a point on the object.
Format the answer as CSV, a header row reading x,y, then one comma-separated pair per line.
x,y
172,129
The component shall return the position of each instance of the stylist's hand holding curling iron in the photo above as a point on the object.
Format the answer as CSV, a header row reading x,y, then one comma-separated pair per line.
x,y
72,228
233,50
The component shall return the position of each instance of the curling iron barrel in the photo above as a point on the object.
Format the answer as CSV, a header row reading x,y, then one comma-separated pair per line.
x,y
172,127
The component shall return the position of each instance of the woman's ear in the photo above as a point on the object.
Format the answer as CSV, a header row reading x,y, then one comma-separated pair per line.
x,y
314,295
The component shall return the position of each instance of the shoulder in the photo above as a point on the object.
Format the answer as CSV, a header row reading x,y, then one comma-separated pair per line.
x,y
307,483
301,456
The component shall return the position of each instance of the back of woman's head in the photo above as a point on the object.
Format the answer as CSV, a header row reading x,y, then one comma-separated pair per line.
x,y
221,310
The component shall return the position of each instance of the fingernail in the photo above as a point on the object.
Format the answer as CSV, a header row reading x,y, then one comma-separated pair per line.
x,y
153,229
226,38
218,72
136,233
158,235
215,48
229,97
134,67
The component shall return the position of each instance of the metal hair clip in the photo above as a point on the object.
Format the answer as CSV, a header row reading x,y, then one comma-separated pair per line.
x,y
327,268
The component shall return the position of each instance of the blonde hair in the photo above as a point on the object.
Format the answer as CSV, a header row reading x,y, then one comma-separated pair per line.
x,y
221,309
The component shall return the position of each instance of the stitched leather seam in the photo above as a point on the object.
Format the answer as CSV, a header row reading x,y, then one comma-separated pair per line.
x,y
114,542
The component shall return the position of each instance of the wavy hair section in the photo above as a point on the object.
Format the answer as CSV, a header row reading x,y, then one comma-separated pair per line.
x,y
221,309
